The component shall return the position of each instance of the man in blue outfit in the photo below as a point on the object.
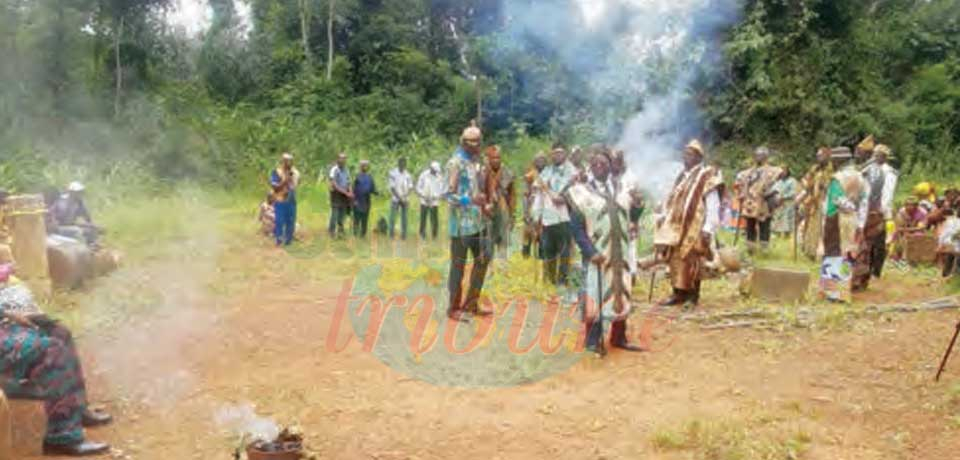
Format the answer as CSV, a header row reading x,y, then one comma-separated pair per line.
x,y
283,180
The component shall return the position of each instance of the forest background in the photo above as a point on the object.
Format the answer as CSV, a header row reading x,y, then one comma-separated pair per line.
x,y
113,91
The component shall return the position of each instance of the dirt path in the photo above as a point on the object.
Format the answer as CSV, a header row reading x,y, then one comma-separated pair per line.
x,y
864,392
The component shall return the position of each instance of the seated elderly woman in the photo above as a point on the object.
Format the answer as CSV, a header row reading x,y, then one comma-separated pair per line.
x,y
38,360
70,218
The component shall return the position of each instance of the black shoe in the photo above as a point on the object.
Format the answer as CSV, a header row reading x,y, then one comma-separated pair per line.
x,y
93,419
80,449
672,301
627,346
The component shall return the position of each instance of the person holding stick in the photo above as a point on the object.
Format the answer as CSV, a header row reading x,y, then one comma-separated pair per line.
x,y
685,231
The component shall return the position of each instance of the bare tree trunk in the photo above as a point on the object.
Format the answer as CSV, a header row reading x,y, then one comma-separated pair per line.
x,y
119,69
305,33
332,5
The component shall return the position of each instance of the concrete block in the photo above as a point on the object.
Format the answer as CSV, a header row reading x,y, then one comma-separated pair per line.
x,y
777,284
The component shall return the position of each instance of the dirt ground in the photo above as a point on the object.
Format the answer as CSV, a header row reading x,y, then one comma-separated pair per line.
x,y
862,391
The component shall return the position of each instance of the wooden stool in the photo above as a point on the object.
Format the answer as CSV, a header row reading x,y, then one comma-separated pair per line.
x,y
29,425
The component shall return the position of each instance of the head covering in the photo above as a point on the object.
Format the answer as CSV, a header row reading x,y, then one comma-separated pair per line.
x,y
840,153
762,150
472,135
884,150
912,200
364,162
923,189
868,144
435,166
696,146
75,187
287,156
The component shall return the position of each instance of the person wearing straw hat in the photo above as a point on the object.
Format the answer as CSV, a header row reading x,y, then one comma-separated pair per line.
x,y
882,179
284,180
467,226
685,231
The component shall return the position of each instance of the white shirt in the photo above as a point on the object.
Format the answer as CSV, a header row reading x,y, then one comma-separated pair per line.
x,y
556,179
401,183
430,188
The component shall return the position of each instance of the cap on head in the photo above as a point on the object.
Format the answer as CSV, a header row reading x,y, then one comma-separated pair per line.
x,y
472,135
762,151
287,156
364,162
435,166
840,153
696,147
868,144
75,187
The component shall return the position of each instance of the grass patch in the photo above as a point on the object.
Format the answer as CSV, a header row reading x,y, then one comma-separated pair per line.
x,y
735,440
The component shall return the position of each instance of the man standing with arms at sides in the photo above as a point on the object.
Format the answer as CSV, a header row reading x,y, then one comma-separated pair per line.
x,y
557,240
691,217
500,204
883,183
465,196
430,188
341,196
754,186
401,183
531,220
284,180
363,188
810,202
600,224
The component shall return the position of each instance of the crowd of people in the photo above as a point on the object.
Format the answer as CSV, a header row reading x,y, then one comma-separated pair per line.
x,y
841,213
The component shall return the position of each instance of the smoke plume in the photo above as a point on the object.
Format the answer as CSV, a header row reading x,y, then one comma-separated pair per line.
x,y
639,59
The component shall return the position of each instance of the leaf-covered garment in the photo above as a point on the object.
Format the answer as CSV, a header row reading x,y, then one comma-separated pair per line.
x,y
754,186
685,210
603,209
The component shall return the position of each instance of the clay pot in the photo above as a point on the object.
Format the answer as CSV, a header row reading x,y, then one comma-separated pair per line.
x,y
730,259
289,451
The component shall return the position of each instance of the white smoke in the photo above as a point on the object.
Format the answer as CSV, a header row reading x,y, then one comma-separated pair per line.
x,y
642,54
243,420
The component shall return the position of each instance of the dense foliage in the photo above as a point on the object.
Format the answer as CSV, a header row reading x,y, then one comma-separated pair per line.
x,y
110,84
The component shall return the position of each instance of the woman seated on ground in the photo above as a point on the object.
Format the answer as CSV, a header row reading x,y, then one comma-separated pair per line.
x,y
38,360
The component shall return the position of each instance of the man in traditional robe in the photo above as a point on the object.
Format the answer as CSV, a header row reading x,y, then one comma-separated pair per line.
x,y
500,201
531,220
754,189
845,215
467,226
600,222
810,202
883,183
685,230
284,180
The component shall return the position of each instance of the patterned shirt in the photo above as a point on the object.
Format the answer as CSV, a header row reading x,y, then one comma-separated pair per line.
x,y
557,179
463,175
